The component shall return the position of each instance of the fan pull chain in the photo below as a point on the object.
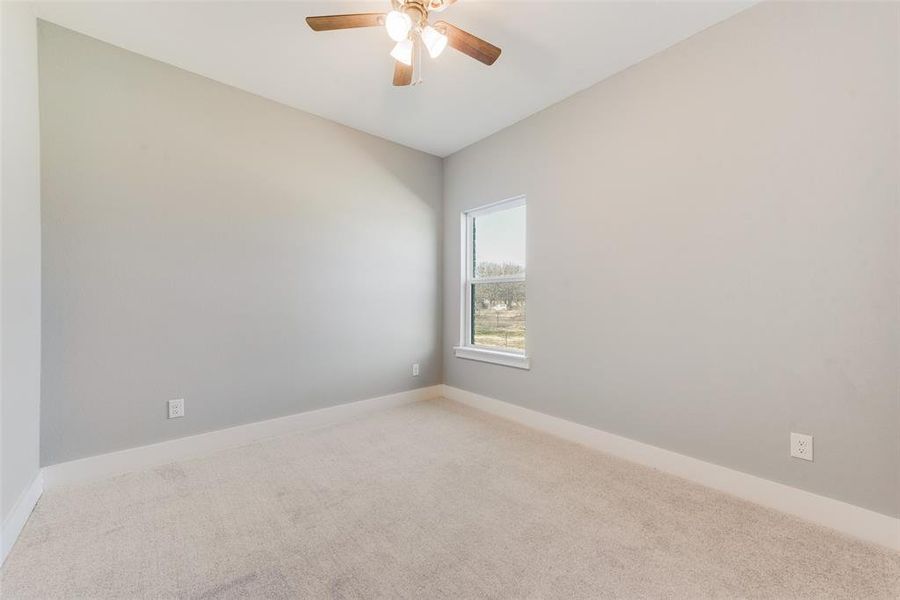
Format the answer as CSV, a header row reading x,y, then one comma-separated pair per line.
x,y
417,59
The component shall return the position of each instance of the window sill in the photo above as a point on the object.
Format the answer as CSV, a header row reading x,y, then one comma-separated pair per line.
x,y
497,357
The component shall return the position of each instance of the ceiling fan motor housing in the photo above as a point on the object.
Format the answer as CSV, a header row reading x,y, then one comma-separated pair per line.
x,y
417,11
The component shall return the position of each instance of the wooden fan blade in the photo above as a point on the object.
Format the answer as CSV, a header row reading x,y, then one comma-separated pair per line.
x,y
332,22
467,43
402,73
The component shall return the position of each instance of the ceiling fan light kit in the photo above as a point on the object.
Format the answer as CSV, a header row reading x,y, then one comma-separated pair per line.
x,y
407,24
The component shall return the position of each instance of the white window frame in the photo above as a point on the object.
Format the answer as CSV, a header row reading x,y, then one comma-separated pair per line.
x,y
466,348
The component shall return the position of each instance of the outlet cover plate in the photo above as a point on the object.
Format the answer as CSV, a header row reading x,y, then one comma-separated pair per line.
x,y
176,408
802,446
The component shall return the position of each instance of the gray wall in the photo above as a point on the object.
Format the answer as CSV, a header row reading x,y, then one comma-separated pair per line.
x,y
20,248
205,243
713,249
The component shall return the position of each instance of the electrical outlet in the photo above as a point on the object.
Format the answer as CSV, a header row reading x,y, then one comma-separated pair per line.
x,y
801,446
176,408
415,369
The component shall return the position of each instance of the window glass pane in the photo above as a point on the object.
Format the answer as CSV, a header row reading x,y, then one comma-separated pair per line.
x,y
499,243
498,315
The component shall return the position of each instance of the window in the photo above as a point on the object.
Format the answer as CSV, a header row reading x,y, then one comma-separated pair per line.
x,y
493,284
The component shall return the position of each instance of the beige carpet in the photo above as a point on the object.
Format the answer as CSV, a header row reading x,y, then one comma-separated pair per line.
x,y
430,500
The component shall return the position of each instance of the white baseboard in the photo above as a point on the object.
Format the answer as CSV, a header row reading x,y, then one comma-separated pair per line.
x,y
846,518
15,520
132,459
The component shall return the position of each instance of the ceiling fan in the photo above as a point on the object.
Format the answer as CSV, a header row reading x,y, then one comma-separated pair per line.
x,y
407,24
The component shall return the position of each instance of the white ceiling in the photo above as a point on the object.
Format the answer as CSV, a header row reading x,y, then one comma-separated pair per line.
x,y
550,51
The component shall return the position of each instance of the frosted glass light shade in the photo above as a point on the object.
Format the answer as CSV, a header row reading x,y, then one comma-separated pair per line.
x,y
402,52
398,25
434,41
